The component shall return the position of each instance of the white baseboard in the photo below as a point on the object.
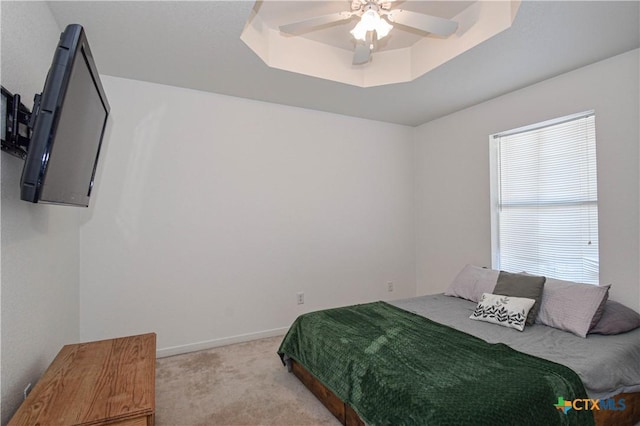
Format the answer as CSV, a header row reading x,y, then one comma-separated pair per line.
x,y
208,344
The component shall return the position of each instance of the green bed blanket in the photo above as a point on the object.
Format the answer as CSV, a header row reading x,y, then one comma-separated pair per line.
x,y
394,367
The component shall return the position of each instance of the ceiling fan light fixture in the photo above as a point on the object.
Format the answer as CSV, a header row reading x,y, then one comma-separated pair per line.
x,y
371,21
383,28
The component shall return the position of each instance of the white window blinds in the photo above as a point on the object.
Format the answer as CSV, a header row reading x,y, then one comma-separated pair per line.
x,y
545,201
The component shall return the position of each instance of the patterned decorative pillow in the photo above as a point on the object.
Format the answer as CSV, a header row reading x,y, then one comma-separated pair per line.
x,y
503,310
472,282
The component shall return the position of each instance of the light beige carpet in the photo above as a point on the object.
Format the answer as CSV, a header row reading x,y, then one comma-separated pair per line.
x,y
242,384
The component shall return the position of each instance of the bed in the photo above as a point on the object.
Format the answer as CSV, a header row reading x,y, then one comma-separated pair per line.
x,y
375,364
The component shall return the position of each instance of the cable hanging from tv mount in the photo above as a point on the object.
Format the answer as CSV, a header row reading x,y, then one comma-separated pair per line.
x,y
17,123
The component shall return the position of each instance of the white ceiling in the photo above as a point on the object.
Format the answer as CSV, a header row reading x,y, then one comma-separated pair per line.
x,y
197,45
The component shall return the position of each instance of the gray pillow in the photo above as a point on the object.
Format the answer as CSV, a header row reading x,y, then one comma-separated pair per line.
x,y
616,319
599,311
570,306
522,285
472,282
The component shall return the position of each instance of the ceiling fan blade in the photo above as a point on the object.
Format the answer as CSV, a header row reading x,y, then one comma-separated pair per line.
x,y
297,27
362,54
427,23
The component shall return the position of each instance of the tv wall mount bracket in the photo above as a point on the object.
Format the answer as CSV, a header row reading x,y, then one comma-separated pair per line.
x,y
17,123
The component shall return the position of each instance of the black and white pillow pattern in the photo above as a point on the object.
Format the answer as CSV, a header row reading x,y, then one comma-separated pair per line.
x,y
503,310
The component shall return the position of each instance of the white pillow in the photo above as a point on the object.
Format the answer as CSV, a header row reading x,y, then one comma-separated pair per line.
x,y
472,282
503,310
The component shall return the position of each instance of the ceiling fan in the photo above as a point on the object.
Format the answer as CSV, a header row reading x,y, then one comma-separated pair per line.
x,y
376,17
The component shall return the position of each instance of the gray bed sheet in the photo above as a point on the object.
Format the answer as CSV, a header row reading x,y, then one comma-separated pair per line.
x,y
607,365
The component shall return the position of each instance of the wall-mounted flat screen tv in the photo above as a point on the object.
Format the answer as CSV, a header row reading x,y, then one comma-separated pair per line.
x,y
68,127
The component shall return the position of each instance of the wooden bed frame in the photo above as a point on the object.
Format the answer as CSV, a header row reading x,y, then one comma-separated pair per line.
x,y
341,410
348,417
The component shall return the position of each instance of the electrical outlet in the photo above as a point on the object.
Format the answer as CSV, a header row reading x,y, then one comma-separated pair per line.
x,y
300,298
26,391
389,286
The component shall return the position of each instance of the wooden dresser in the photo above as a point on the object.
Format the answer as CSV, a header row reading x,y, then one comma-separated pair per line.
x,y
96,383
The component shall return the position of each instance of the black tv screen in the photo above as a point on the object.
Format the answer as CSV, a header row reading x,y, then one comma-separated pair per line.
x,y
69,127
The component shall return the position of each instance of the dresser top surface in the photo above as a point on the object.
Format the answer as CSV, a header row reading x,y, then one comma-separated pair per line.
x,y
88,383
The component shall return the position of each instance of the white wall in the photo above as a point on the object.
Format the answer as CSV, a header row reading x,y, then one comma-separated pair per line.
x,y
452,173
212,212
40,244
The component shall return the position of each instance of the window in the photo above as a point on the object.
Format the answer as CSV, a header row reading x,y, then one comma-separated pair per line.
x,y
544,199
